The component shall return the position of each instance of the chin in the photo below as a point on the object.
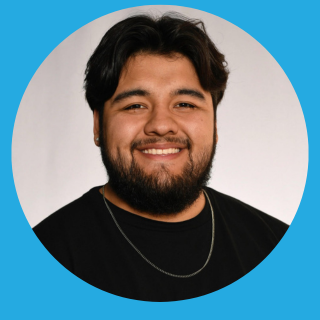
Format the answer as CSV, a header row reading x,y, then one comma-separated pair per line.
x,y
155,186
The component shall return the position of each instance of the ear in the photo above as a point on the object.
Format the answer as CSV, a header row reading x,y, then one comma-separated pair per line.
x,y
96,129
216,131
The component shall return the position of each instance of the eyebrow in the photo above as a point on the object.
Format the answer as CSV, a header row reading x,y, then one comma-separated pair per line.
x,y
143,93
189,92
130,93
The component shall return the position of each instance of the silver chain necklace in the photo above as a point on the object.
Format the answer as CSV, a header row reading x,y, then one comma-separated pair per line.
x,y
152,264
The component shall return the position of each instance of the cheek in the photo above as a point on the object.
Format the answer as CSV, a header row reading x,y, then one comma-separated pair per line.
x,y
119,132
201,132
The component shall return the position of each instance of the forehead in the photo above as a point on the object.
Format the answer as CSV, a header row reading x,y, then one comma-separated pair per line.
x,y
152,70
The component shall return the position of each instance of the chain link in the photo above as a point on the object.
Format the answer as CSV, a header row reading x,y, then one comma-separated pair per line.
x,y
152,264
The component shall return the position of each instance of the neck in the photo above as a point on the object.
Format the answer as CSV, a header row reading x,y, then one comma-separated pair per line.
x,y
184,215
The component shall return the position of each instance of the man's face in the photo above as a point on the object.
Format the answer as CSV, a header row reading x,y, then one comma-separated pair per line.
x,y
158,128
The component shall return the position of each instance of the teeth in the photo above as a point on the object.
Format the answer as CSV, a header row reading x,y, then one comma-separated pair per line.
x,y
161,151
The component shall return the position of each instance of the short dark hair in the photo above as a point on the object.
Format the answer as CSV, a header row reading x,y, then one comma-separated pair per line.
x,y
166,35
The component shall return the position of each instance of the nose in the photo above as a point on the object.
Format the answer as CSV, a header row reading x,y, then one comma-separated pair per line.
x,y
161,122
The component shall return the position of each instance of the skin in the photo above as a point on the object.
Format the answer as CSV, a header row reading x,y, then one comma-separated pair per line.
x,y
158,97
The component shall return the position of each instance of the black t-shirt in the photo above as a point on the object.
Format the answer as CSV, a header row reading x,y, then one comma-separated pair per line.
x,y
83,237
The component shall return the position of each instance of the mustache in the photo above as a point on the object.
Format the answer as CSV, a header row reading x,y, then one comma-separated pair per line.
x,y
140,143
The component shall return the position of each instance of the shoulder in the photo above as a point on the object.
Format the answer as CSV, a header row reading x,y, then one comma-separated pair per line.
x,y
68,226
241,216
78,210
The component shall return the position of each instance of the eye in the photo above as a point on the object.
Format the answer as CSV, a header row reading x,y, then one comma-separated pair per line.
x,y
135,106
185,105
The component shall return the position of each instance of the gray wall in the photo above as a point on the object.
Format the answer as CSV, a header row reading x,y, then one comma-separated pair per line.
x,y
262,153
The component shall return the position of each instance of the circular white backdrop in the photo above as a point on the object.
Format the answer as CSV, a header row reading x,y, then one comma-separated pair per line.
x,y
262,153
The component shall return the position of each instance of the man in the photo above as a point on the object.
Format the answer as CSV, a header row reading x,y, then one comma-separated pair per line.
x,y
155,232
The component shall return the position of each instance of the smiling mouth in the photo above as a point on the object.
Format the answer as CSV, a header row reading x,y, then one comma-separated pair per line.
x,y
162,151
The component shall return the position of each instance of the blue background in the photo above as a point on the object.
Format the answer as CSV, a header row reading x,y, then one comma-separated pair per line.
x,y
34,286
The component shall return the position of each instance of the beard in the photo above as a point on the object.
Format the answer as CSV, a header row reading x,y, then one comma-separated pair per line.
x,y
160,193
